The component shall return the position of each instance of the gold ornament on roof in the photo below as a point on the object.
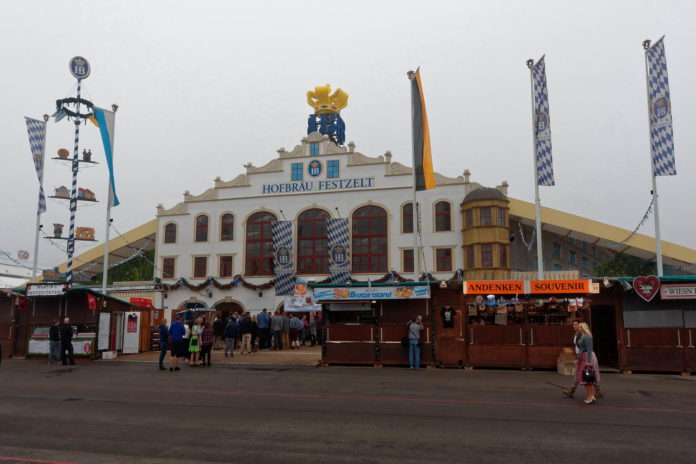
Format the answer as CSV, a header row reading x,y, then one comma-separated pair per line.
x,y
323,101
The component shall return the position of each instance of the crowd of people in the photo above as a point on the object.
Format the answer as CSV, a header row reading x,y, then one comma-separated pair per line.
x,y
192,341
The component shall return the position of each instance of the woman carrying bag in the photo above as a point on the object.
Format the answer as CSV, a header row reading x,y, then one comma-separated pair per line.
x,y
586,369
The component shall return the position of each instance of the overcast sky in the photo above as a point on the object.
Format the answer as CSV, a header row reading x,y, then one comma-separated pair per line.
x,y
204,87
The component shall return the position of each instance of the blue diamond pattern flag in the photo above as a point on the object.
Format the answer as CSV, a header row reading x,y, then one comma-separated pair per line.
x,y
339,262
661,141
542,125
37,142
282,256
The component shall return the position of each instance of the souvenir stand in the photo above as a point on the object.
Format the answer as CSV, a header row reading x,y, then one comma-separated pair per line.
x,y
522,324
657,323
366,321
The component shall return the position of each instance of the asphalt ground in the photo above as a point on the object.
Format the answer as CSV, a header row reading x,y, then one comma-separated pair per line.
x,y
127,412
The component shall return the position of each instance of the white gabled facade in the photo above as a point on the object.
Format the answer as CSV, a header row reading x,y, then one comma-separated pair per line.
x,y
361,180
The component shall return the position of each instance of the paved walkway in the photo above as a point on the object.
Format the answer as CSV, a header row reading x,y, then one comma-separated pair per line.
x,y
305,356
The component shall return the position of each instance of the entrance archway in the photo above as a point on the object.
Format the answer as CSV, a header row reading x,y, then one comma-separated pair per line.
x,y
223,309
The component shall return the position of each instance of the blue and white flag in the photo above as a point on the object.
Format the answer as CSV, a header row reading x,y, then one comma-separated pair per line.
x,y
37,142
106,121
339,261
661,141
542,125
282,257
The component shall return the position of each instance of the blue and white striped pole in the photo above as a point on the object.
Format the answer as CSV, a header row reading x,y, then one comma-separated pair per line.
x,y
73,192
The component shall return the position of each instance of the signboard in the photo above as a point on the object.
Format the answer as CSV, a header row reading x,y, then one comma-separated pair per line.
x,y
319,185
142,302
82,347
131,333
678,291
560,286
526,287
372,293
45,290
80,68
646,286
302,300
104,331
500,287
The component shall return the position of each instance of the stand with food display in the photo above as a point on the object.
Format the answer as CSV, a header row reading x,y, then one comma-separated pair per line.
x,y
365,322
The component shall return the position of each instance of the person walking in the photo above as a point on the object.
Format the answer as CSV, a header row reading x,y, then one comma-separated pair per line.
x,y
286,330
195,342
177,331
570,392
231,330
54,342
295,328
414,328
312,330
163,342
207,339
246,327
219,331
277,329
586,360
66,336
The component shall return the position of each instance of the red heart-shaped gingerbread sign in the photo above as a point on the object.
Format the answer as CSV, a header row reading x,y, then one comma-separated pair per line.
x,y
646,287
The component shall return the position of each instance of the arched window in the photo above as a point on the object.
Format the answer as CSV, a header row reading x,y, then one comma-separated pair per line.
x,y
443,220
202,228
170,233
407,218
227,227
370,240
259,244
312,242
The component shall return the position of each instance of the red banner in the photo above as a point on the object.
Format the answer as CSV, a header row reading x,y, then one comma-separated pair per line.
x,y
142,302
91,302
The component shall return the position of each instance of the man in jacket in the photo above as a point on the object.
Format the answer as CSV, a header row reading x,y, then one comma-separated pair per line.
x,y
263,323
286,330
218,331
277,329
231,330
163,343
66,336
246,327
177,332
54,342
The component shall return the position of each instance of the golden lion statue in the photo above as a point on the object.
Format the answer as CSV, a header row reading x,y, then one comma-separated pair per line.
x,y
323,101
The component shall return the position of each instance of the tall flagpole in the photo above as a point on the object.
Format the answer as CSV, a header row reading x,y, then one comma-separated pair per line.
x,y
38,211
73,191
414,209
110,200
537,200
656,213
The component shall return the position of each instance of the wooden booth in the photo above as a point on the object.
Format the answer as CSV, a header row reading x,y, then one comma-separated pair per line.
x,y
94,317
521,324
364,323
657,323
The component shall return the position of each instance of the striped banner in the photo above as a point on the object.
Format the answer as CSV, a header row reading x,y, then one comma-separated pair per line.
x,y
37,142
282,257
661,140
422,155
339,257
543,126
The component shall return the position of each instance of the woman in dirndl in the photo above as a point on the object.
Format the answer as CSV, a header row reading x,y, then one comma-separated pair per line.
x,y
195,342
586,358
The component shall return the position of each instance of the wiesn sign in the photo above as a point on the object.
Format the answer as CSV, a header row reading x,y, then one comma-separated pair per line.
x,y
678,291
45,290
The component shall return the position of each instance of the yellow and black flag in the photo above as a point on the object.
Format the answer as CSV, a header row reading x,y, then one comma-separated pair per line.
x,y
422,157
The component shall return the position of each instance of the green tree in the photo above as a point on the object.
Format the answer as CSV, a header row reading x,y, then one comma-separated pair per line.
x,y
623,265
139,268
